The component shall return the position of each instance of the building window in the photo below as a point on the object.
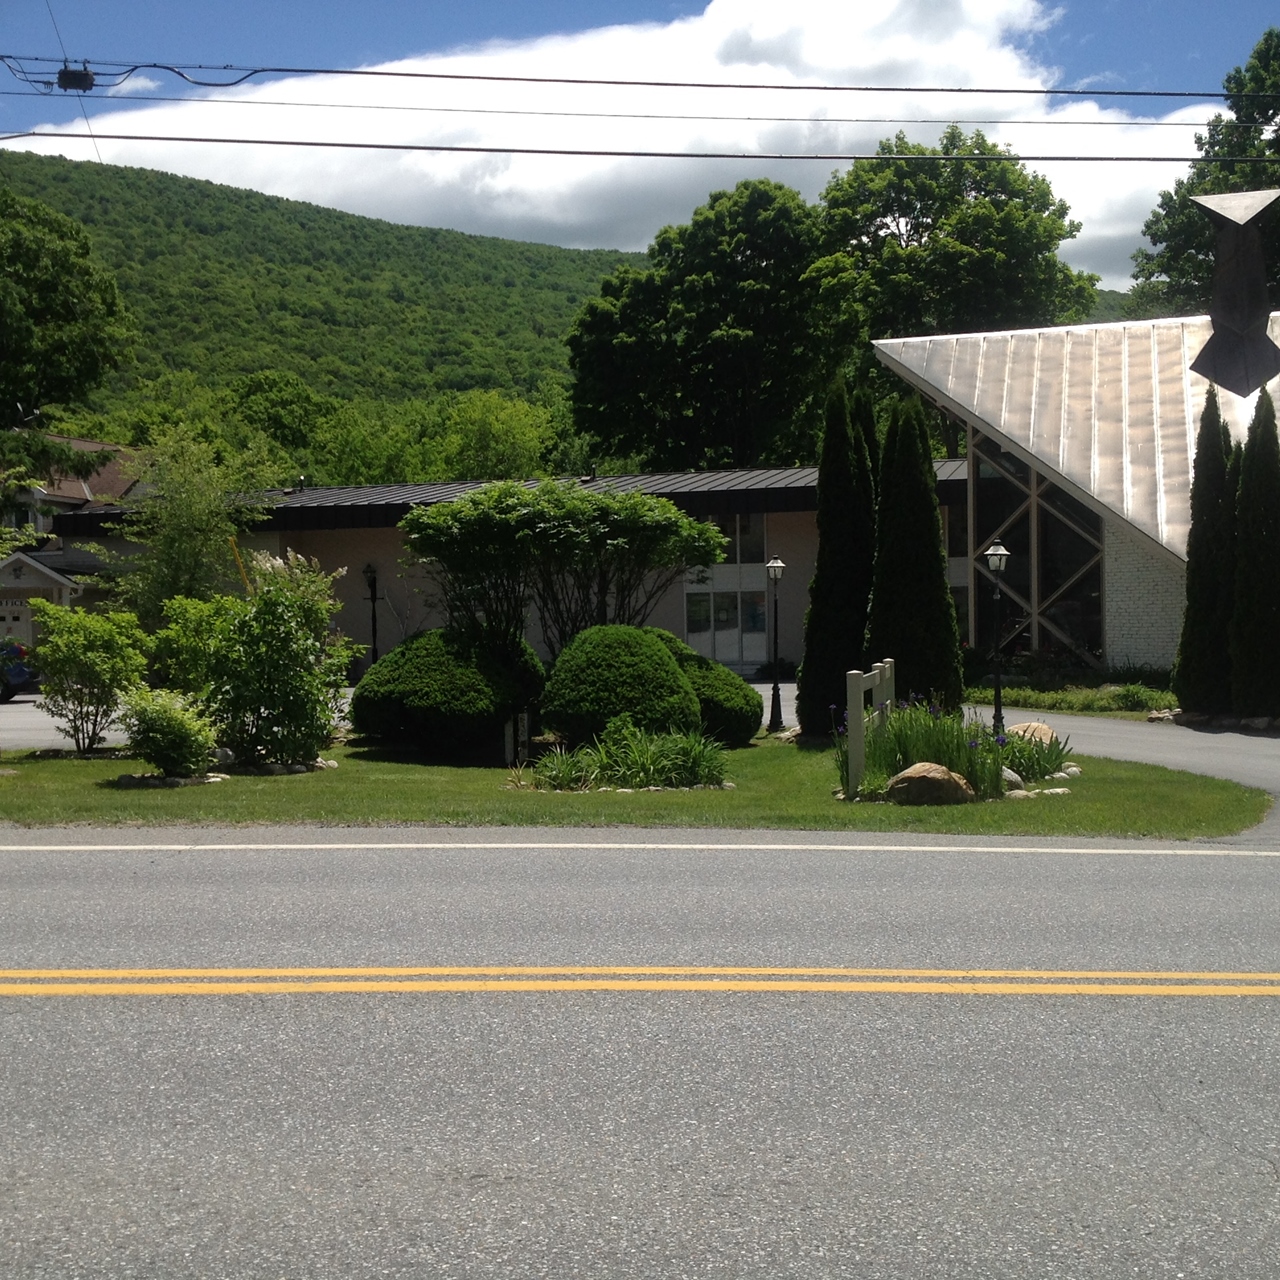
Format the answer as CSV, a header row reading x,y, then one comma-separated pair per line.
x,y
726,616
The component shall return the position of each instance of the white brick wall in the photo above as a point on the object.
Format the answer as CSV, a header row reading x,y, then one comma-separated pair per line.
x,y
1144,594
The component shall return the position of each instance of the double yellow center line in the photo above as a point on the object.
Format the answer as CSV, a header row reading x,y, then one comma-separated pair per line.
x,y
672,978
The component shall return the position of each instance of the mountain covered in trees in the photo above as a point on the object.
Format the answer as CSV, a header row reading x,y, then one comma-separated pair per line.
x,y
226,283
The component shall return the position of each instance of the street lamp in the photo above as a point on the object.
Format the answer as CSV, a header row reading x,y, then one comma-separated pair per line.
x,y
371,581
775,569
997,558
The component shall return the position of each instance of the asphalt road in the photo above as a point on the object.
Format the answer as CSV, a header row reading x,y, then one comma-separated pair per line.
x,y
655,1128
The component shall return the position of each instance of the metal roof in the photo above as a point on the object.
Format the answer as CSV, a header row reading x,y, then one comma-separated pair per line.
x,y
382,506
1112,410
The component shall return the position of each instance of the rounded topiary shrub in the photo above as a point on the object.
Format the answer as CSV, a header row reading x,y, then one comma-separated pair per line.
x,y
611,671
443,697
732,711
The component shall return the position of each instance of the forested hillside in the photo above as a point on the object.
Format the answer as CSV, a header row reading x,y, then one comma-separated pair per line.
x,y
226,282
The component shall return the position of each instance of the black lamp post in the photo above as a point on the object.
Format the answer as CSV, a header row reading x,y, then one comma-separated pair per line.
x,y
997,558
371,580
775,569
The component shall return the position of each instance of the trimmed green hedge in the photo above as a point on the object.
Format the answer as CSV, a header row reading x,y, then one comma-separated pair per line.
x,y
436,694
611,671
732,711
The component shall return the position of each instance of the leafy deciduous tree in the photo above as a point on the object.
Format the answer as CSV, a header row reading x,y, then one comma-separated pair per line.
x,y
64,328
1241,153
713,354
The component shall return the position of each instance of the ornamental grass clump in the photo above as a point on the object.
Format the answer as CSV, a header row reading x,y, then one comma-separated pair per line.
x,y
630,757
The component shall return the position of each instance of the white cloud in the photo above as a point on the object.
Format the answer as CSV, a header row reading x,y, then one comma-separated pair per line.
x,y
616,202
134,84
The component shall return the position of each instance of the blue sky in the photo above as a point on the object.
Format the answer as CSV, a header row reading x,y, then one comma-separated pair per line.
x,y
1115,44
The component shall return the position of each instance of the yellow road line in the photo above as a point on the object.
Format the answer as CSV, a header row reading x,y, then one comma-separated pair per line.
x,y
704,979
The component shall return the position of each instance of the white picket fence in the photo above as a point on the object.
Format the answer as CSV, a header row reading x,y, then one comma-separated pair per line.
x,y
879,683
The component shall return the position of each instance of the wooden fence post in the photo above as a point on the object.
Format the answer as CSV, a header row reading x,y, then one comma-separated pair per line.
x,y
882,684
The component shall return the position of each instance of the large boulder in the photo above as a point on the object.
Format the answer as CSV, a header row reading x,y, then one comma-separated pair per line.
x,y
1036,730
927,783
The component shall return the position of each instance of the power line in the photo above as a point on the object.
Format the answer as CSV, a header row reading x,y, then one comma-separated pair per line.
x,y
643,115
182,71
48,4
979,157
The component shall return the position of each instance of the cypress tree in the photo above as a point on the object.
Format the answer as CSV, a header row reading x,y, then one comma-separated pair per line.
x,y
1255,620
1202,671
836,622
913,616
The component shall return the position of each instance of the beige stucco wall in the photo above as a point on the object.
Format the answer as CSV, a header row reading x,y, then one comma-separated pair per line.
x,y
793,537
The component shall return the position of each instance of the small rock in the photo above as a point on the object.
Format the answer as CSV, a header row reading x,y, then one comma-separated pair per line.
x,y
1190,718
1061,775
1020,795
1259,723
728,786
928,783
1225,722
272,770
1056,791
1154,717
626,791
1011,780
224,755
1071,771
8,773
1036,730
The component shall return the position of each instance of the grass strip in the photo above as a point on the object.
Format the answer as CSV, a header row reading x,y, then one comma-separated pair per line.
x,y
776,786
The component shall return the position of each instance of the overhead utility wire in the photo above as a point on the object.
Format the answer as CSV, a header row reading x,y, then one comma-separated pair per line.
x,y
628,154
14,63
642,115
48,4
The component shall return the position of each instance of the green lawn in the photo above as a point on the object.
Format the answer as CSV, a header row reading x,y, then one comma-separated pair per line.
x,y
776,786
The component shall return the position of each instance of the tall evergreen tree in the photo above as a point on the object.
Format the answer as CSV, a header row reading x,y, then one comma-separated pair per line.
x,y
1202,672
913,617
836,623
1255,620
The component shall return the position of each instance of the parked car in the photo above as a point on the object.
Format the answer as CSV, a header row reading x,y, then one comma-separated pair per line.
x,y
17,675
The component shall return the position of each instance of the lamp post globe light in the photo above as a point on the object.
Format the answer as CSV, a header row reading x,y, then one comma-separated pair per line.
x,y
775,569
997,555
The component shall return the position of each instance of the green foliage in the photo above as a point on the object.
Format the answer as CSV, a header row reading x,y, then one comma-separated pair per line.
x,y
269,669
1202,672
444,697
630,757
712,355
1255,620
188,506
1128,697
353,306
168,731
835,625
87,661
1032,758
731,710
608,557
583,557
610,671
951,244
912,614
64,328
916,733
1176,277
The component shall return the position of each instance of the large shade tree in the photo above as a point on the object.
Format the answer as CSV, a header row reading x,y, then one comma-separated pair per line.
x,y
1241,152
64,329
713,355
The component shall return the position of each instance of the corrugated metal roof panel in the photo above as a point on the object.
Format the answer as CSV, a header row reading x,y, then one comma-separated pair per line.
x,y
1113,409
